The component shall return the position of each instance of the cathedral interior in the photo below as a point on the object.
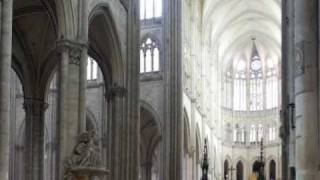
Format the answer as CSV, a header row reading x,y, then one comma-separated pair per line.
x,y
159,90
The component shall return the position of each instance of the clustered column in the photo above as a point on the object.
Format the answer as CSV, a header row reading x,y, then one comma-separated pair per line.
x,y
71,98
5,69
34,109
115,98
306,88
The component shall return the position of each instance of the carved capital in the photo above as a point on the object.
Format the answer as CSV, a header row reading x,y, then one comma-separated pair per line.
x,y
115,91
34,106
73,48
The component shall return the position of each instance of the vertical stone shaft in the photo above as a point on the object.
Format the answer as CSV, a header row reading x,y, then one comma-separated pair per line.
x,y
83,66
5,69
173,126
68,99
306,88
288,95
35,137
62,112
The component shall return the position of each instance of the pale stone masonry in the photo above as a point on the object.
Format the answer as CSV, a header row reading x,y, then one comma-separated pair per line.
x,y
151,123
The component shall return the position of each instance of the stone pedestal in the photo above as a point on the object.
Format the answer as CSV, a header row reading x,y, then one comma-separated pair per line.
x,y
85,173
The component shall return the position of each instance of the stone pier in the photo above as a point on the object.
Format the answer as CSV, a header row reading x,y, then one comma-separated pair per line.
x,y
306,89
5,70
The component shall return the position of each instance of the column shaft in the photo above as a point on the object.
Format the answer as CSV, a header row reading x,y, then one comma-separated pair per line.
x,y
35,137
5,69
62,113
306,88
83,66
71,107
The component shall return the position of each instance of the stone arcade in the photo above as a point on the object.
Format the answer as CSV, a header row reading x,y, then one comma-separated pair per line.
x,y
158,89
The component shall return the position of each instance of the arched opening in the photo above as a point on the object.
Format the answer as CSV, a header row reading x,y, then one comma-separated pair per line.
x,y
105,83
17,138
272,170
149,55
225,169
256,167
187,157
240,170
150,146
255,170
198,155
95,97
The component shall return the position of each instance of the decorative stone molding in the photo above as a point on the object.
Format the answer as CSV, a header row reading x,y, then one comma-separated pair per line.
x,y
153,76
73,48
116,91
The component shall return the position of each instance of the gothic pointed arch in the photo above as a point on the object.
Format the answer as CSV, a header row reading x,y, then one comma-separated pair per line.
x,y
150,142
272,170
187,133
150,54
240,171
105,46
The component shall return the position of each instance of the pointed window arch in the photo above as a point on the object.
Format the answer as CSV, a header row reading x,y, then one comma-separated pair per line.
x,y
251,83
149,56
92,69
272,168
240,170
225,169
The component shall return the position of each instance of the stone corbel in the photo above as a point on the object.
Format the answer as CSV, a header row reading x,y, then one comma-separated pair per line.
x,y
115,91
73,48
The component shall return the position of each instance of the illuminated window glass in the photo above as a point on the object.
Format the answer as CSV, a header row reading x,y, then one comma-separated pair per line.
x,y
92,69
150,9
251,84
149,56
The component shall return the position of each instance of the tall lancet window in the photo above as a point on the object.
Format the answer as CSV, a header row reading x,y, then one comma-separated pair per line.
x,y
150,9
227,90
239,89
256,81
271,84
92,69
251,82
149,56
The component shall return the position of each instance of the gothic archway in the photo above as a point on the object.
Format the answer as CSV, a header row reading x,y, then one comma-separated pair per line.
x,y
272,170
225,169
255,167
240,171
150,139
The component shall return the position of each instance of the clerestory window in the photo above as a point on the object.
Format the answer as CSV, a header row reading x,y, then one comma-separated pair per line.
x,y
92,69
149,56
150,9
251,84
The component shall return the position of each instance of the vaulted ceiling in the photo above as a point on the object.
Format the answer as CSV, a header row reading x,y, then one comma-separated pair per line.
x,y
231,24
34,41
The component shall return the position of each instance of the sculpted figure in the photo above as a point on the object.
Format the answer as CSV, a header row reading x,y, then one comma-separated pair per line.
x,y
86,152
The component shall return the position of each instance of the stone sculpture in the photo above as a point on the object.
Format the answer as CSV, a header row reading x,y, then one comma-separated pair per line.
x,y
86,152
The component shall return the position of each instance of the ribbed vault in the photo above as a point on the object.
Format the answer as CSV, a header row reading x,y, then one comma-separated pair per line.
x,y
230,26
